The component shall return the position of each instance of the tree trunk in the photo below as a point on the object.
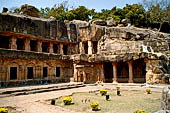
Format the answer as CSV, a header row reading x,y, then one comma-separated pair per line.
x,y
160,27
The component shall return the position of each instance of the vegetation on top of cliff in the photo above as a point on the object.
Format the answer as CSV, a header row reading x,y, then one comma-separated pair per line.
x,y
151,13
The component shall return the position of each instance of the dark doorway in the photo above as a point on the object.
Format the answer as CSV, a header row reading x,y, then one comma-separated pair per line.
x,y
108,72
57,71
45,71
13,73
44,46
65,49
86,47
30,73
20,44
55,48
33,45
4,42
95,43
139,71
123,72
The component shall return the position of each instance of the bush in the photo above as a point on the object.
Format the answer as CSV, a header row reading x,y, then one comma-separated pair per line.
x,y
139,111
148,91
3,110
94,105
103,92
67,100
118,88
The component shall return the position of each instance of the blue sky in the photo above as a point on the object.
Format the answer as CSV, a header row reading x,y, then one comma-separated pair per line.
x,y
95,4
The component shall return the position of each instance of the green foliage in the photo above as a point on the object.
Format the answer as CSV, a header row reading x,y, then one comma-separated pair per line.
x,y
118,88
158,11
148,91
62,13
3,110
103,92
140,111
94,105
67,100
135,13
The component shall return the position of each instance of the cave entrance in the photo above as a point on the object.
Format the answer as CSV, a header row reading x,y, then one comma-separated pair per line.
x,y
108,72
4,42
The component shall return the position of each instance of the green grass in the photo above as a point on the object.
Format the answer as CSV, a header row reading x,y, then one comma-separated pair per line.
x,y
128,102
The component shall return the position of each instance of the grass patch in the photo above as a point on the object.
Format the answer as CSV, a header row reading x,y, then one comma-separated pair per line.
x,y
128,102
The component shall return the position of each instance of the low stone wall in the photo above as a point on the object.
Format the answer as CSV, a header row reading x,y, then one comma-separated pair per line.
x,y
166,98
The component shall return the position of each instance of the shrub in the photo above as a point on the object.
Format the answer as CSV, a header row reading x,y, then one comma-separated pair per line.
x,y
140,111
3,110
94,105
118,88
148,91
67,100
103,92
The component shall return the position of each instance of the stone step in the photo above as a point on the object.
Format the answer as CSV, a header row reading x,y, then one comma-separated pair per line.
x,y
38,90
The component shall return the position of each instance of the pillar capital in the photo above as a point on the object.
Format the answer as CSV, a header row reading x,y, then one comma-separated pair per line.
x,y
130,62
114,63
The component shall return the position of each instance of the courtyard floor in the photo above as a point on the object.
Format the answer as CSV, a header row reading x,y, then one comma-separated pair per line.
x,y
35,103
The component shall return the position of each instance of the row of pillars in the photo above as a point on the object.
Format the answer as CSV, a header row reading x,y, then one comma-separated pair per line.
x,y
27,47
90,47
115,76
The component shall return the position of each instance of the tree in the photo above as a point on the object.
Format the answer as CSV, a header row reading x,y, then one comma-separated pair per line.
x,y
135,13
157,11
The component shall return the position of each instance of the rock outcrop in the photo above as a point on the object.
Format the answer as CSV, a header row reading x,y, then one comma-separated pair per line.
x,y
29,10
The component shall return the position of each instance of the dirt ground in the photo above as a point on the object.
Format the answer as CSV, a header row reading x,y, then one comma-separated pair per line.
x,y
35,103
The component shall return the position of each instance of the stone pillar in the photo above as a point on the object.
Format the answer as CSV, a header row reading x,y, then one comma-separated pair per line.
x,y
84,77
39,46
27,44
81,47
102,74
75,79
61,49
50,48
90,47
130,65
115,78
13,44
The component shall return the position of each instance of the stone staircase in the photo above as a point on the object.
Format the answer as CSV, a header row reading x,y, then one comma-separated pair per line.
x,y
6,92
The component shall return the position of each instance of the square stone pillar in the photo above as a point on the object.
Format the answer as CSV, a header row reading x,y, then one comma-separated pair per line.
x,y
27,44
81,47
102,74
39,46
50,48
75,79
13,44
130,65
115,77
90,47
61,49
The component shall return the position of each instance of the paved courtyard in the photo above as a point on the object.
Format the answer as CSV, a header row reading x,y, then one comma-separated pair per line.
x,y
35,103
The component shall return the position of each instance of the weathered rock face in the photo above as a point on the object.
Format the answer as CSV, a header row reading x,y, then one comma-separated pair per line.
x,y
87,45
166,98
110,22
5,10
43,28
156,70
29,10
